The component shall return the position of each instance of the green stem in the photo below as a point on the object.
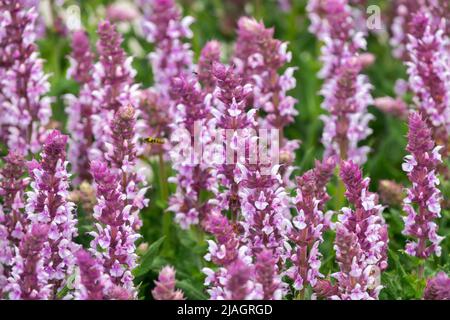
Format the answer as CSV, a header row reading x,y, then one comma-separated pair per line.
x,y
420,271
339,197
301,295
167,217
163,179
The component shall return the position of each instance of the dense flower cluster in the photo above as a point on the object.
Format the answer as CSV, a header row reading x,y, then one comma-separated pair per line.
x,y
209,54
346,92
12,219
230,112
48,209
164,26
421,166
438,288
404,11
80,109
25,112
165,286
193,175
91,281
29,280
120,197
309,224
258,58
253,191
332,22
402,24
429,74
114,87
48,203
347,96
361,239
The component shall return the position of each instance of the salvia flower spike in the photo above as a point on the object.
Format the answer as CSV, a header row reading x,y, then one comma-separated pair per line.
x,y
81,108
48,203
193,176
429,74
346,92
25,110
361,239
165,286
309,224
422,202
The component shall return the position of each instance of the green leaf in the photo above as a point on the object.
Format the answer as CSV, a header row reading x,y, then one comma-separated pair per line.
x,y
191,291
65,290
146,262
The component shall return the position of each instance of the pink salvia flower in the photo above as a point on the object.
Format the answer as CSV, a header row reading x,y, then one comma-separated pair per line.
x,y
165,286
164,26
235,282
224,250
12,219
25,111
324,289
12,188
114,238
420,167
193,175
209,54
333,24
230,113
92,283
361,239
438,287
259,57
122,152
267,275
120,198
80,109
231,259
47,203
239,284
113,74
346,91
29,279
309,224
401,26
116,123
429,74
404,13
114,86
265,210
6,252
82,58
396,107
253,190
91,280
121,12
347,96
